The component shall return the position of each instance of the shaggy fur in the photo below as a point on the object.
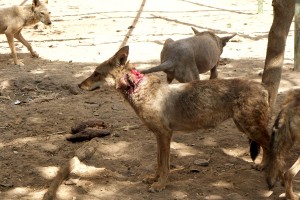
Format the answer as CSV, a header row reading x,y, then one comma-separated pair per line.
x,y
165,108
286,132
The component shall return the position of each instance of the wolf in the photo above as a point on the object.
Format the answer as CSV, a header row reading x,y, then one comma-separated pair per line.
x,y
14,19
285,134
185,59
165,108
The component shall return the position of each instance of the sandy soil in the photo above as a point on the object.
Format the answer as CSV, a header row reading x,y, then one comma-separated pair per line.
x,y
40,102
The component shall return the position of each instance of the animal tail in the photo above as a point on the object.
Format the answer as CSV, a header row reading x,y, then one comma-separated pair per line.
x,y
254,149
162,67
226,39
281,142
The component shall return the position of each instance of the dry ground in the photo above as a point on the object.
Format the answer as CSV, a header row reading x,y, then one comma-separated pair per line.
x,y
40,102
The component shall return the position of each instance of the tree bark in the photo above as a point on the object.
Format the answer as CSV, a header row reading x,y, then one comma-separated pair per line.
x,y
283,15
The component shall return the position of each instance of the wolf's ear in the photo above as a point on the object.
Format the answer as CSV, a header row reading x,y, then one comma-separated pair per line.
x,y
46,1
121,56
195,31
36,3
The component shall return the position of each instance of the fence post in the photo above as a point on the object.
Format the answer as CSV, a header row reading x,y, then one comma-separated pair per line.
x,y
260,6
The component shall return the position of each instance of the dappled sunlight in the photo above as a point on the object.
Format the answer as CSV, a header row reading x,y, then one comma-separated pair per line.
x,y
183,150
238,152
88,70
115,150
66,192
48,172
286,84
4,84
24,193
223,184
265,193
38,71
84,170
111,191
209,141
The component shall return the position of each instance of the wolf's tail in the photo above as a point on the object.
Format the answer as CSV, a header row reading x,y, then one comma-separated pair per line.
x,y
226,39
281,141
162,67
254,149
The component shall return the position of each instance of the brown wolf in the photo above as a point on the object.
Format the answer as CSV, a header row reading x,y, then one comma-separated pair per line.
x,y
286,132
185,59
14,19
165,108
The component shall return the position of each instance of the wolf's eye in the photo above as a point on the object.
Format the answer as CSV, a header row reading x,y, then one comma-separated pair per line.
x,y
42,13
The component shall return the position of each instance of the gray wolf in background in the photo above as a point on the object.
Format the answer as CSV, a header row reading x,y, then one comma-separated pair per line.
x,y
165,108
185,59
286,133
14,19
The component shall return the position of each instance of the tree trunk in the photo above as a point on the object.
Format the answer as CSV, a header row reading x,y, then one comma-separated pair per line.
x,y
283,15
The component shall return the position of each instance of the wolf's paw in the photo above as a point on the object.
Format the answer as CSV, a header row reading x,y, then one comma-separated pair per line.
x,y
157,187
292,196
19,64
258,167
150,179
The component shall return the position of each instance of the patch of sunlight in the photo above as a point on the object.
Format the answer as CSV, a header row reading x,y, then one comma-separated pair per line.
x,y
66,192
37,71
209,141
24,193
88,71
238,152
183,150
48,172
223,184
21,141
117,149
1,145
266,193
4,84
84,170
112,190
179,195
287,86
35,120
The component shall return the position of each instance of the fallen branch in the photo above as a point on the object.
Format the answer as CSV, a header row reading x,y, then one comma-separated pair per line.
x,y
81,154
87,130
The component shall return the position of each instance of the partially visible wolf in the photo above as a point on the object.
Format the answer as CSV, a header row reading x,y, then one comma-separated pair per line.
x,y
286,133
14,19
185,59
165,108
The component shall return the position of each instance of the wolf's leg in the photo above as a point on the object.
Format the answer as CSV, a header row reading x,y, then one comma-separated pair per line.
x,y
10,39
288,180
21,39
163,160
214,72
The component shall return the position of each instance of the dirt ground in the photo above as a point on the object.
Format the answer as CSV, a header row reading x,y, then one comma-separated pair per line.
x,y
40,101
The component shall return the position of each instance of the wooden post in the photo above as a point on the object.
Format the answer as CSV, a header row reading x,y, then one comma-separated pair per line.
x,y
260,6
284,11
296,37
